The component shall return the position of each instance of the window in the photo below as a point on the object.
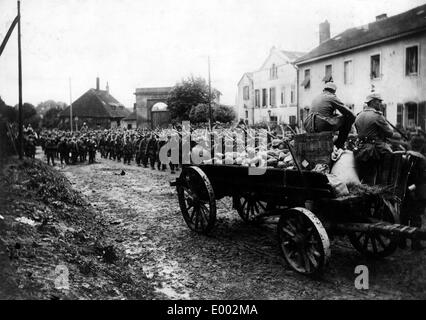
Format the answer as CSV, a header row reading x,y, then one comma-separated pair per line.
x,y
246,114
411,109
292,93
257,98
348,72
411,60
129,126
273,72
375,66
292,120
264,97
282,95
246,93
328,73
306,83
272,101
273,118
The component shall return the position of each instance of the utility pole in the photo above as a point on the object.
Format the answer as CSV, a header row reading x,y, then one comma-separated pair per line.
x,y
70,105
210,98
20,134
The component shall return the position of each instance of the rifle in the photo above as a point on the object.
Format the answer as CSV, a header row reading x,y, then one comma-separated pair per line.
x,y
397,130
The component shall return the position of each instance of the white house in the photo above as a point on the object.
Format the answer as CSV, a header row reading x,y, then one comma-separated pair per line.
x,y
387,56
269,93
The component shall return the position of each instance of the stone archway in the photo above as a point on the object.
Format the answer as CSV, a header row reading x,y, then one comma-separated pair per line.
x,y
146,98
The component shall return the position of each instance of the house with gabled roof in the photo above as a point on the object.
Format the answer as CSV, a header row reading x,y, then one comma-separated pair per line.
x,y
269,93
387,56
97,108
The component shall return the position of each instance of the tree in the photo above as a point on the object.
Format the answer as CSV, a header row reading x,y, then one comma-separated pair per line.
x,y
185,95
199,113
223,113
29,115
220,113
51,118
45,106
7,112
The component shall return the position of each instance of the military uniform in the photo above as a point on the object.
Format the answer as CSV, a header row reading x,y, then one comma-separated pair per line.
x,y
91,148
372,131
127,151
50,150
322,116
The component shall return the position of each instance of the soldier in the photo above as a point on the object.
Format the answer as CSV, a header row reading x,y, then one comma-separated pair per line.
x,y
74,151
63,151
373,130
127,150
322,116
142,151
91,148
50,150
160,143
414,204
118,148
151,150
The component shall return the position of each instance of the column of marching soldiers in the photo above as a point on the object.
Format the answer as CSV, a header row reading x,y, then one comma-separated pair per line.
x,y
78,147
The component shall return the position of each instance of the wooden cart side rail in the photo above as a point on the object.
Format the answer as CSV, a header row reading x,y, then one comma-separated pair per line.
x,y
383,228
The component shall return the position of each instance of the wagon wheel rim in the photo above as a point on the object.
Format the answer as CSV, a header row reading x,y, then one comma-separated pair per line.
x,y
250,208
196,200
303,241
376,245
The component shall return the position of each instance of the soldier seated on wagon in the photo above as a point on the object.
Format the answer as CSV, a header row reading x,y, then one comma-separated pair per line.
x,y
322,115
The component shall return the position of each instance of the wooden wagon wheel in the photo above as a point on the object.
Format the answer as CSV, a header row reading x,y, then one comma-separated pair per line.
x,y
250,208
196,199
304,241
377,245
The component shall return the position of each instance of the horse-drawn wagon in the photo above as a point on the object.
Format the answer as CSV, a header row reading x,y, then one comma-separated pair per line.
x,y
308,208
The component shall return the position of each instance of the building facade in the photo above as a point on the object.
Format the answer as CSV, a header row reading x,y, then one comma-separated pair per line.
x,y
270,93
387,56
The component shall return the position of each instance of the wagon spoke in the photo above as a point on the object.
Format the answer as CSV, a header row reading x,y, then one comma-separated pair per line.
x,y
374,244
191,217
291,234
261,205
365,244
312,259
305,260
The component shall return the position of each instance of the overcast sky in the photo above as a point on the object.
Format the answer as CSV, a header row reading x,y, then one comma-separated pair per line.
x,y
146,43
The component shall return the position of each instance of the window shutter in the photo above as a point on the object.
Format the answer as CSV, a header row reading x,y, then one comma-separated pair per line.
x,y
422,115
399,114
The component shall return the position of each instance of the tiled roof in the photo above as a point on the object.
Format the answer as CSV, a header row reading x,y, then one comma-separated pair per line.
x,y
131,117
407,22
96,104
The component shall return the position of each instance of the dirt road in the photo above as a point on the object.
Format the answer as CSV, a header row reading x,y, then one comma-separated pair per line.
x,y
237,261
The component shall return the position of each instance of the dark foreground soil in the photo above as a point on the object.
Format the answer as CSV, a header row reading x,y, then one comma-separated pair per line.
x,y
53,243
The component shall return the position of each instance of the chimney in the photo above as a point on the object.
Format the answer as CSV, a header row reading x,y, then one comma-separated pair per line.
x,y
381,17
107,87
97,83
324,31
